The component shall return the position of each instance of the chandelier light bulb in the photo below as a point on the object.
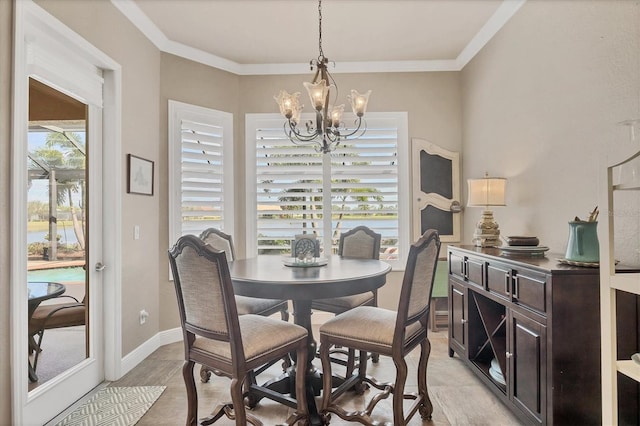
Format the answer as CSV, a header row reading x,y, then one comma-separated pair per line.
x,y
336,115
359,102
288,103
317,93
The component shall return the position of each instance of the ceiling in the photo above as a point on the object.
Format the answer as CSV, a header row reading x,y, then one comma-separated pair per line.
x,y
281,36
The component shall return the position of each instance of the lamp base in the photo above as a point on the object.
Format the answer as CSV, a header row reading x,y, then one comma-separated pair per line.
x,y
487,233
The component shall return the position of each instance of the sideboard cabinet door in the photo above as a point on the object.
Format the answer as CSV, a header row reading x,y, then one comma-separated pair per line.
x,y
527,367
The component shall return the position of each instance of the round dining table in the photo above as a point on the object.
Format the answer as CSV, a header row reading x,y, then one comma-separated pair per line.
x,y
275,277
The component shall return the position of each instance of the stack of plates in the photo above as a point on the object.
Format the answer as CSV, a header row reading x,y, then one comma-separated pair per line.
x,y
523,246
496,373
517,240
524,250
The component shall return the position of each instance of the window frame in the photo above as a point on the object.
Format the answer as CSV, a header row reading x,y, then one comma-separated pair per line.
x,y
179,111
255,121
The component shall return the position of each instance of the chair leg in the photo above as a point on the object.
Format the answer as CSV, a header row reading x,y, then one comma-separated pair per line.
x,y
238,401
284,314
38,349
286,360
326,377
205,374
426,407
192,393
351,360
398,391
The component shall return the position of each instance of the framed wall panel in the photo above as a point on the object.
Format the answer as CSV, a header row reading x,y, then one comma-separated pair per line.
x,y
436,190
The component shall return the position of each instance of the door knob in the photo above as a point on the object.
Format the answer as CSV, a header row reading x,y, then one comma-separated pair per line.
x,y
100,267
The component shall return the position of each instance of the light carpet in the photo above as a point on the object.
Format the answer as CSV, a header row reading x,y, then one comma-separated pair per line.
x,y
114,406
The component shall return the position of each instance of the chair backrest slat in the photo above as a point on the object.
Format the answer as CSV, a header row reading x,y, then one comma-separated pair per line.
x,y
361,243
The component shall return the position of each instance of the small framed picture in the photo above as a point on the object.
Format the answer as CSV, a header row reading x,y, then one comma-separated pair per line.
x,y
140,177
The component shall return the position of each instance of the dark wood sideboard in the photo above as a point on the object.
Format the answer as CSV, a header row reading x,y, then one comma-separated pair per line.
x,y
539,321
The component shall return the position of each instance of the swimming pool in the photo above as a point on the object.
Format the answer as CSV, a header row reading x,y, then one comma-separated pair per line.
x,y
57,274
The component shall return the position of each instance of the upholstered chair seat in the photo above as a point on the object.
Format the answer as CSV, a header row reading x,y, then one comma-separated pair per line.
x,y
368,326
253,328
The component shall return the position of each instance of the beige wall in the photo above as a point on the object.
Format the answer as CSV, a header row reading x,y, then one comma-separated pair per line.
x,y
6,41
186,81
541,102
106,28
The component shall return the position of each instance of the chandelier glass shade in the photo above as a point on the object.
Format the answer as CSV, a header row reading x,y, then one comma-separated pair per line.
x,y
327,130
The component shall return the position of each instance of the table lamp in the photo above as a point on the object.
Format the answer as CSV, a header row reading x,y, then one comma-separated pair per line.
x,y
487,191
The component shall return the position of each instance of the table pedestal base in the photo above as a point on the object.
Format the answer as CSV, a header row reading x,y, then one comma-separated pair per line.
x,y
286,383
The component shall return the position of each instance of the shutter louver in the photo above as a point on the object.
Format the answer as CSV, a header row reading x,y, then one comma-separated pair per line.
x,y
202,177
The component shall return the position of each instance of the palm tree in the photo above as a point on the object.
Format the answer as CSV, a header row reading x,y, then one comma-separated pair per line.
x,y
66,150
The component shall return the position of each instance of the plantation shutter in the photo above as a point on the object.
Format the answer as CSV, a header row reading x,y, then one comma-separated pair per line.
x,y
201,170
286,195
289,198
364,183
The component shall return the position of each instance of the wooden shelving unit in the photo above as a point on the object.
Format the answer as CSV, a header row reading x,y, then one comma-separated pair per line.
x,y
613,283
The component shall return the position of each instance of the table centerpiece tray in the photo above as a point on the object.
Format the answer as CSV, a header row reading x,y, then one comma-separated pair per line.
x,y
297,263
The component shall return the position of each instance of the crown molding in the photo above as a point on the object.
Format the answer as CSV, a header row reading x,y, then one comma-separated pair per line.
x,y
507,9
141,21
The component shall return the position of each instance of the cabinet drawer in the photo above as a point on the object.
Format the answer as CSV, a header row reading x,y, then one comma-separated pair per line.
x,y
499,279
456,266
475,271
530,289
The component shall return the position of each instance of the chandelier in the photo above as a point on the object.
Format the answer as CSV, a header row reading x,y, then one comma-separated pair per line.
x,y
327,130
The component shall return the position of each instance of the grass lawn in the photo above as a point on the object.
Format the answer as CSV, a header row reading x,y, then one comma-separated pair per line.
x,y
43,225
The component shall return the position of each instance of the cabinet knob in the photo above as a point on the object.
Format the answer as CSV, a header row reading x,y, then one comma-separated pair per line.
x,y
464,321
509,354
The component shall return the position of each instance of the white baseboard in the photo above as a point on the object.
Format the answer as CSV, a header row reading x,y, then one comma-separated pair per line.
x,y
136,356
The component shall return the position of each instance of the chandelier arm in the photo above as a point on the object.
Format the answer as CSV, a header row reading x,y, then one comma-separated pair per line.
x,y
293,133
359,122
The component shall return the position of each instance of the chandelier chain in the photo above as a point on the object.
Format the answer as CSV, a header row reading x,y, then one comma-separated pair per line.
x,y
321,57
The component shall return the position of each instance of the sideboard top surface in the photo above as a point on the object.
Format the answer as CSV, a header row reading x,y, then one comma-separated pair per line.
x,y
548,263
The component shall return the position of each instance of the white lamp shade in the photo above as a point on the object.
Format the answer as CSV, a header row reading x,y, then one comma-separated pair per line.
x,y
488,191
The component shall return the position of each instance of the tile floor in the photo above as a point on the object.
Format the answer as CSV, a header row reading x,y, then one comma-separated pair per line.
x,y
458,396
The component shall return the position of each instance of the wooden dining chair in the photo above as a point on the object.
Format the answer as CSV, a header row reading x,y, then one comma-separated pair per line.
x,y
58,315
389,333
360,243
217,337
246,305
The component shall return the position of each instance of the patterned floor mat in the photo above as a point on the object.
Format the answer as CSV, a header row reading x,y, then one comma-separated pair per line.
x,y
114,406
